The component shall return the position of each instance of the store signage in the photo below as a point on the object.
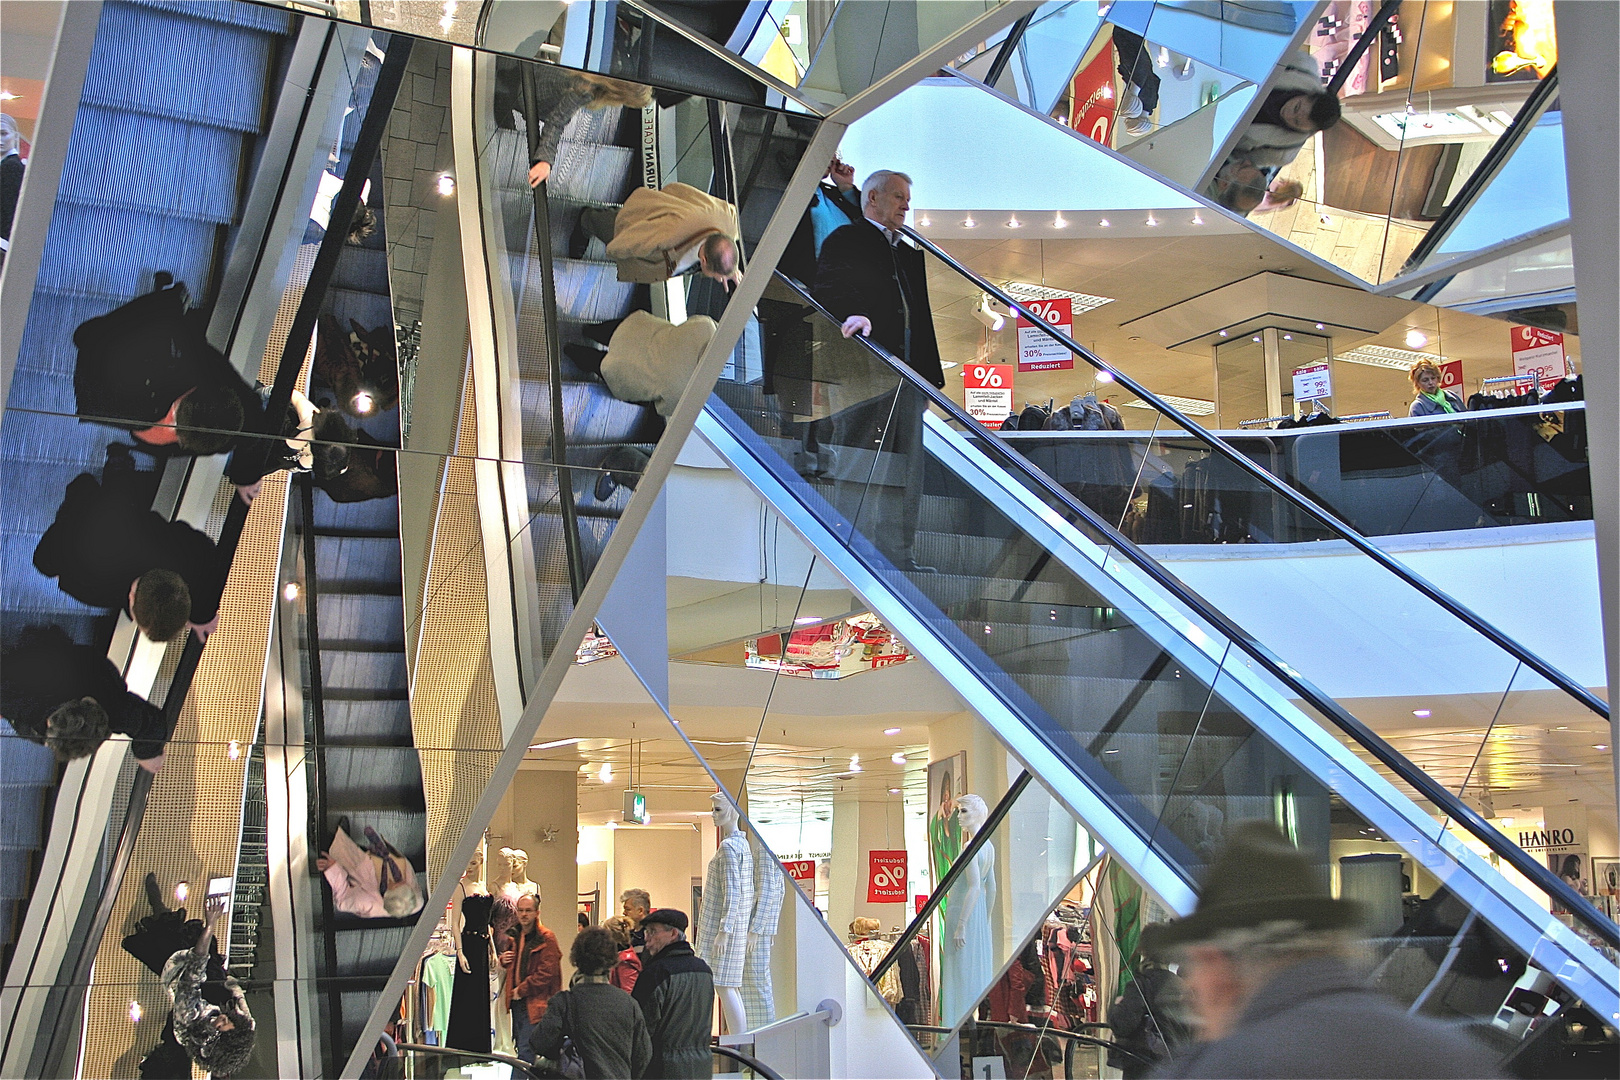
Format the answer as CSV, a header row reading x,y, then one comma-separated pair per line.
x,y
635,808
1547,839
1451,377
919,902
1312,382
1540,353
886,877
803,873
988,391
1091,98
1037,351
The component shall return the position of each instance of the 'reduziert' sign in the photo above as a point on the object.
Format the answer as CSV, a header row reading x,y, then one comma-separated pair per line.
x,y
886,877
1036,350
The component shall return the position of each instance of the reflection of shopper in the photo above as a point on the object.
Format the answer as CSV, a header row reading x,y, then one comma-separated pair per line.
x,y
1146,1019
1264,959
1142,82
558,95
1297,107
1430,399
11,176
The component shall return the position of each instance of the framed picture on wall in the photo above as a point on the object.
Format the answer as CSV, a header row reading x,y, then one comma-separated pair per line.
x,y
947,782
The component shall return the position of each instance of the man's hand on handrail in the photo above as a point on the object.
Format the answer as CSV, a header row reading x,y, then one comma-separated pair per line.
x,y
856,324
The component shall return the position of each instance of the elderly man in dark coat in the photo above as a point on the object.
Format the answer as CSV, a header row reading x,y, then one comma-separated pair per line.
x,y
1263,957
676,993
874,280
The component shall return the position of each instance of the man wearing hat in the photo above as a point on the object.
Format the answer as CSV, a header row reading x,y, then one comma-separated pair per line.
x,y
676,994
1266,961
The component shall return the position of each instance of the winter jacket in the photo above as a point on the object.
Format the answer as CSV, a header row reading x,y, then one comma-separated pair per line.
x,y
656,228
1271,146
1319,1019
676,994
102,540
651,360
626,971
201,988
1424,405
46,669
861,273
536,971
607,1026
137,360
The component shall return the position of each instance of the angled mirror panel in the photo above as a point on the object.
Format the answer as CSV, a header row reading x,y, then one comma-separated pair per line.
x,y
863,42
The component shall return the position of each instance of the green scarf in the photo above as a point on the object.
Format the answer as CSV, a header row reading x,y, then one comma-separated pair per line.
x,y
1440,399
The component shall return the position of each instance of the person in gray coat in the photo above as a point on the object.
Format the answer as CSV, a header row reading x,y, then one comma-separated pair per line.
x,y
676,994
1264,957
608,1028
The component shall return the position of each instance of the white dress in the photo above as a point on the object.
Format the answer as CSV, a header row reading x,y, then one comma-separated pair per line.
x,y
967,971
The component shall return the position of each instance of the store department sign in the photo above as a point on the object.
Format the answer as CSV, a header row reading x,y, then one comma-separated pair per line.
x,y
1540,353
1037,351
1451,378
987,392
886,877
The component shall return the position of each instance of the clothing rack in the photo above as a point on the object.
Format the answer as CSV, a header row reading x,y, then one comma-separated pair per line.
x,y
1382,414
1263,420
1483,383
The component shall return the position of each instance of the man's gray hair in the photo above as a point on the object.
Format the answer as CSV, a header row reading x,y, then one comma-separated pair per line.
x,y
876,181
640,896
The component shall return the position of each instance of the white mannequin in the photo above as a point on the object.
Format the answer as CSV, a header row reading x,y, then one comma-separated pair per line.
x,y
769,887
728,903
517,875
967,963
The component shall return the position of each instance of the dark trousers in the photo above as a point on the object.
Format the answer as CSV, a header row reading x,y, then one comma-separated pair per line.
x,y
599,222
891,504
1136,68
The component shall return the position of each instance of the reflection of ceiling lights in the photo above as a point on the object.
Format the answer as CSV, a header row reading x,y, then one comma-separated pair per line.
x,y
1385,357
1416,339
1024,292
1190,406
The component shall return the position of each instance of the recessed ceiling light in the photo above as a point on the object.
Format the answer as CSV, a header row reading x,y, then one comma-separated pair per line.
x,y
891,731
1059,222
606,773
854,763
1507,822
1420,712
924,222
969,223
1600,746
1014,223
447,185
1319,326
1198,219
1255,338
898,758
1223,333
1416,339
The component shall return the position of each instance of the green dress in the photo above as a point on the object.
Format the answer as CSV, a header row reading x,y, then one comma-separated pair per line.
x,y
944,845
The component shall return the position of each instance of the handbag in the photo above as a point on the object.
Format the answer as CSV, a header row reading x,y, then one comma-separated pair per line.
x,y
570,1063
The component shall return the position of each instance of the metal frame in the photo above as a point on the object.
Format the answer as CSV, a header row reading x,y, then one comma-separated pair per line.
x,y
738,311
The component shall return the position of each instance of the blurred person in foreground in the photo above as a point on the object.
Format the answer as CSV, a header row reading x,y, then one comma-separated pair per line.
x,y
1266,959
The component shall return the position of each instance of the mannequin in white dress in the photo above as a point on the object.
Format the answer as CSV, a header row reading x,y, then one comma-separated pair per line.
x,y
967,964
728,907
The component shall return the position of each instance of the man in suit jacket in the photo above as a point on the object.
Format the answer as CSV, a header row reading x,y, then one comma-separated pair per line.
x,y
875,282
108,549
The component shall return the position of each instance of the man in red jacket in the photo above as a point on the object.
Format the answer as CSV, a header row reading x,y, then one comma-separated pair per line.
x,y
533,963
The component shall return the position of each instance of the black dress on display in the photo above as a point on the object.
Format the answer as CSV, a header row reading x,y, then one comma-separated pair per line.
x,y
470,1017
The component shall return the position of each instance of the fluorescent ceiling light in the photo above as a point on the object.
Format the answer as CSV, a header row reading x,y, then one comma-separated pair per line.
x,y
553,745
1385,357
1190,405
1024,292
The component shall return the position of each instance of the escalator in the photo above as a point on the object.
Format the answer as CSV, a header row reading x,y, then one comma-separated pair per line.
x,y
194,139
1156,718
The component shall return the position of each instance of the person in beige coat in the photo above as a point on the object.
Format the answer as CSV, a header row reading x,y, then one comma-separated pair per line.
x,y
660,234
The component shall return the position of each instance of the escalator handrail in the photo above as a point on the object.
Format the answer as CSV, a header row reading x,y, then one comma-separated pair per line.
x,y
747,1061
344,206
1302,502
524,1068
1429,788
1036,1029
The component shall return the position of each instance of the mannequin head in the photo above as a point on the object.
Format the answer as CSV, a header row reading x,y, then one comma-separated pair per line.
x,y
972,812
475,865
725,815
517,863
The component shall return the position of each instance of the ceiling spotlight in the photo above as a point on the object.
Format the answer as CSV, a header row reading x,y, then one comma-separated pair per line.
x,y
605,774
1600,746
1420,713
992,319
894,791
1151,221
1059,222
182,891
290,593
969,223
1288,337
136,1012
363,402
898,758
1319,326
1198,219
891,731
1255,338
1014,223
1223,333
924,222
447,185
1416,339
1103,223
854,763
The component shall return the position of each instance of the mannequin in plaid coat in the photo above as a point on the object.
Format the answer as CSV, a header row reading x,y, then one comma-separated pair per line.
x,y
728,907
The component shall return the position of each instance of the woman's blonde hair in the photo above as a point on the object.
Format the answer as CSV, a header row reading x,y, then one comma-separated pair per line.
x,y
606,91
1419,368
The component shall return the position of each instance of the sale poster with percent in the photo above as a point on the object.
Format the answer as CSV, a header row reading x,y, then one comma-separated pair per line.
x,y
1091,99
1540,353
1312,382
886,877
803,873
1036,350
987,391
1451,377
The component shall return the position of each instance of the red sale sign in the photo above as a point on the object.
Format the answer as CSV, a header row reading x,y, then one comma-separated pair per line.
x,y
1036,350
803,873
987,391
886,877
1540,353
1091,99
1451,378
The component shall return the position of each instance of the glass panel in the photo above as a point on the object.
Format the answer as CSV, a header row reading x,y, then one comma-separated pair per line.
x,y
867,41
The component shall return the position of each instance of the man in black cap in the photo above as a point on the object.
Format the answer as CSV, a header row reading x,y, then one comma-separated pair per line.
x,y
676,993
1265,959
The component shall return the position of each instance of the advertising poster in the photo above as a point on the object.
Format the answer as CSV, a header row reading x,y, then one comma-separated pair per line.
x,y
1451,378
947,780
803,873
886,877
987,391
1091,98
1037,351
1539,352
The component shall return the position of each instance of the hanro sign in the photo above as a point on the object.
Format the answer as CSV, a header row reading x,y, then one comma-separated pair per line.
x,y
886,877
1037,351
1540,353
988,390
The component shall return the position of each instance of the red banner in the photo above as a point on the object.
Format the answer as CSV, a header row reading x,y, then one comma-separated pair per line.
x,y
1091,99
1036,351
886,877
1451,378
987,391
1540,353
803,873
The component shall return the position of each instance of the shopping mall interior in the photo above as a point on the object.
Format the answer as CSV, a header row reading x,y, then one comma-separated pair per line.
x,y
1224,459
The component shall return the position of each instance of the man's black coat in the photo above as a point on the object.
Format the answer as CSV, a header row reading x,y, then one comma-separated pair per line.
x,y
47,669
861,273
